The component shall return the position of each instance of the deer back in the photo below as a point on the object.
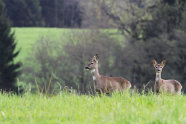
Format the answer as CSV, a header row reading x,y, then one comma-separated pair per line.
x,y
173,86
110,84
170,86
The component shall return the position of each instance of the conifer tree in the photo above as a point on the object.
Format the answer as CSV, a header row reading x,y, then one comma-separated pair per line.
x,y
9,70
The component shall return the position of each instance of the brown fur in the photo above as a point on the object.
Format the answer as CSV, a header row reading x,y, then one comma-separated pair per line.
x,y
106,84
110,84
161,85
169,86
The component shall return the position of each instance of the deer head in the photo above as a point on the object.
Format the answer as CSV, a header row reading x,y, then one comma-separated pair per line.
x,y
93,64
158,67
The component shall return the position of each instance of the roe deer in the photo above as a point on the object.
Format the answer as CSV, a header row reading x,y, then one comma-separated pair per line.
x,y
106,84
161,85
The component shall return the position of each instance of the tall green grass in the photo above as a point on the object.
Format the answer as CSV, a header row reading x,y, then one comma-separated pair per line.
x,y
84,109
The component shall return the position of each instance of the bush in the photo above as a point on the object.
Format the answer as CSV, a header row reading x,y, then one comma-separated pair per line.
x,y
63,63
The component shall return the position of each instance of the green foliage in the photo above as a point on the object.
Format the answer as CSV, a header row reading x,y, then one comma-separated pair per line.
x,y
1,6
61,13
8,69
73,108
162,37
27,37
24,12
63,60
49,13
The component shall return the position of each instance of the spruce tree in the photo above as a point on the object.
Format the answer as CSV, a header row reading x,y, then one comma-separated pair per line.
x,y
9,70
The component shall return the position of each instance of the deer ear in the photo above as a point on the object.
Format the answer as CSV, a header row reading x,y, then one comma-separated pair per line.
x,y
154,62
97,57
163,62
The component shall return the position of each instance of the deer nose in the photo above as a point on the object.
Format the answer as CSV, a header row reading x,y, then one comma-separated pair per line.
x,y
86,67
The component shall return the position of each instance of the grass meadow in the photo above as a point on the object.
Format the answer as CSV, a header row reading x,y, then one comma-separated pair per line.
x,y
27,37
65,108
126,108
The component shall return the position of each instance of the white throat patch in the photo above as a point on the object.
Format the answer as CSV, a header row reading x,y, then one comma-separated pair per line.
x,y
93,70
94,78
158,76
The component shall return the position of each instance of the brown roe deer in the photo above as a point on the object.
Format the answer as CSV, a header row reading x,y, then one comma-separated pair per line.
x,y
104,84
161,85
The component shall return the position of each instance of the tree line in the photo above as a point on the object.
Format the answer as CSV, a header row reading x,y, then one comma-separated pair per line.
x,y
40,13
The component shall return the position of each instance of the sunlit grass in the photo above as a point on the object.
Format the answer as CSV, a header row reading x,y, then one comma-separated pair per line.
x,y
73,108
26,38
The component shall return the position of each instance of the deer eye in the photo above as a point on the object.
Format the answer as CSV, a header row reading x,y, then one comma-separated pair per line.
x,y
156,67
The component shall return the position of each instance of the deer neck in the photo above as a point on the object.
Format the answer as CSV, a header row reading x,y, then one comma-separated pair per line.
x,y
158,77
95,73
